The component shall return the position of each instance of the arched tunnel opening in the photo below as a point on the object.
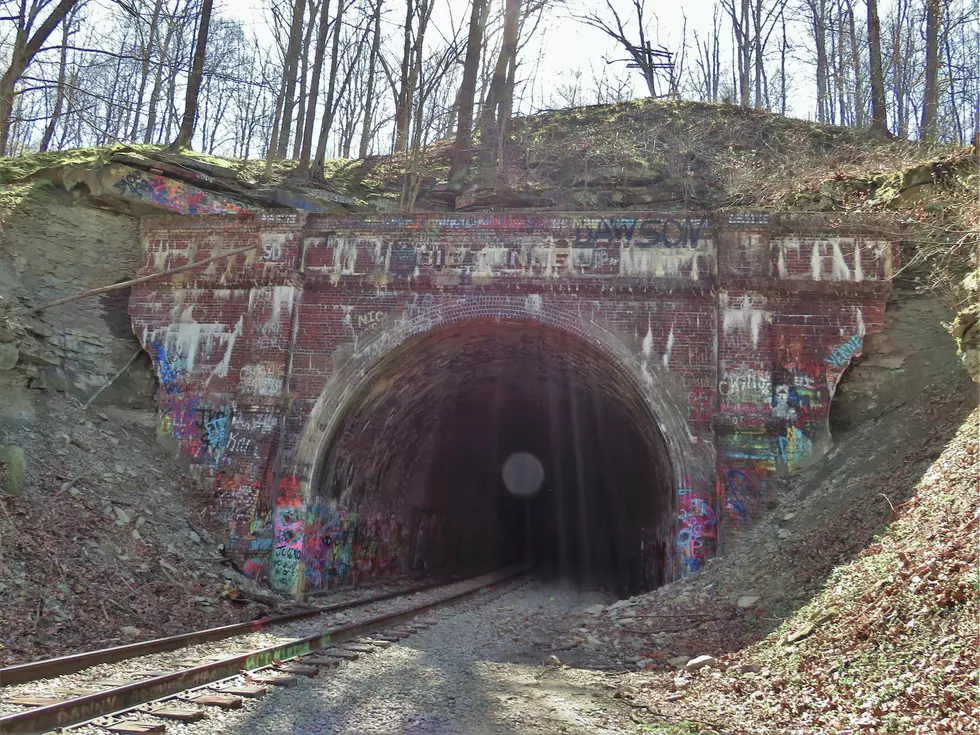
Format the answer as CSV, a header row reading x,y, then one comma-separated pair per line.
x,y
412,479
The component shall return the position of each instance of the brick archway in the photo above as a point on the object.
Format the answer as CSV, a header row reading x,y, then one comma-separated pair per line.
x,y
420,332
645,378
732,328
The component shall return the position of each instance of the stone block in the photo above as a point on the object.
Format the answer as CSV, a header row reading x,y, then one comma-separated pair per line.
x,y
15,466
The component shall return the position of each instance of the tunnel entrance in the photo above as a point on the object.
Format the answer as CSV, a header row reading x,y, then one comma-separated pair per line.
x,y
412,478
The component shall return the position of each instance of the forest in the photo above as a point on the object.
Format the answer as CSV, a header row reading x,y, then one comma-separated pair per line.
x,y
311,80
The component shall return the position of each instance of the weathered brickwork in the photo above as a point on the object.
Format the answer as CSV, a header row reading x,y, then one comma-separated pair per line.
x,y
729,330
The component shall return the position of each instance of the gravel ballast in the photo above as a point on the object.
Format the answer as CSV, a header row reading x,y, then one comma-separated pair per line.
x,y
481,668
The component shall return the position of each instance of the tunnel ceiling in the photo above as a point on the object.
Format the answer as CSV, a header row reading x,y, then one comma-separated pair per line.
x,y
430,428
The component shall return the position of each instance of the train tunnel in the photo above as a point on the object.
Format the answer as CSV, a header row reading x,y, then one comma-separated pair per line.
x,y
486,442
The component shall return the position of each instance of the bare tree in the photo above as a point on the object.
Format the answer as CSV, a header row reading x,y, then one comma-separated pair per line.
x,y
189,120
879,115
930,102
462,150
653,63
27,44
372,67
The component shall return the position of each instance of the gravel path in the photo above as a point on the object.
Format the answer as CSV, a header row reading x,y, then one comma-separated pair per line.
x,y
480,669
139,668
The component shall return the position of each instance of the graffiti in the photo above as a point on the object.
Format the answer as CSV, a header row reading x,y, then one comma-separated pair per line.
x,y
781,408
255,423
371,320
738,489
272,245
171,372
240,445
842,353
699,404
203,432
793,447
328,547
174,195
698,525
747,387
261,380
647,233
288,539
340,547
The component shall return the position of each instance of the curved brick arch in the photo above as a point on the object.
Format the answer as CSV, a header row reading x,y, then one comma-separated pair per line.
x,y
368,359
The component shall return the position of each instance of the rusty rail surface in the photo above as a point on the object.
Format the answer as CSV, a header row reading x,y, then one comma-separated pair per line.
x,y
97,704
51,667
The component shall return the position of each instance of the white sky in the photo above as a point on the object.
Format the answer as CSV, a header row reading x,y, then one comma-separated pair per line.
x,y
567,46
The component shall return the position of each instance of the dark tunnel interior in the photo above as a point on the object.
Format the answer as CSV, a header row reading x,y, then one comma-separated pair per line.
x,y
426,436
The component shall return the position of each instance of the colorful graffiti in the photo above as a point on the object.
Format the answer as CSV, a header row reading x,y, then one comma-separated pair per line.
x,y
698,527
201,430
287,546
175,195
793,447
342,548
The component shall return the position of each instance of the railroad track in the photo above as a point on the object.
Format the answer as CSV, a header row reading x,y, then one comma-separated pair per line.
x,y
105,688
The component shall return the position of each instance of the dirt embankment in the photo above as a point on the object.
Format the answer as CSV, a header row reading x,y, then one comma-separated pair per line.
x,y
855,605
103,537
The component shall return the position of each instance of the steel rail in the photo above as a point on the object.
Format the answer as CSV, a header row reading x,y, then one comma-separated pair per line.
x,y
51,667
98,704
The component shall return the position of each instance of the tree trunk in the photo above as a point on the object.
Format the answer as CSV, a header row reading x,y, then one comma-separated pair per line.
x,y
328,105
145,67
290,71
151,118
757,31
369,97
186,131
320,52
856,63
744,55
783,48
489,117
930,101
21,55
818,8
59,99
462,150
301,93
879,115
403,105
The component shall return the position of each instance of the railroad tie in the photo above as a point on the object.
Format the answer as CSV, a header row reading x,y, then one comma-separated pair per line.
x,y
278,681
136,727
389,637
299,670
342,653
33,701
359,648
224,701
243,691
181,714
326,661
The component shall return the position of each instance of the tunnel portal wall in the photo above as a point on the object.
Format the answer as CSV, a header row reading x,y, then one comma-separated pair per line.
x,y
733,327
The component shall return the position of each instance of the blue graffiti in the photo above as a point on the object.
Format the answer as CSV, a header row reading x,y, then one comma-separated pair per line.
x,y
794,446
737,485
844,352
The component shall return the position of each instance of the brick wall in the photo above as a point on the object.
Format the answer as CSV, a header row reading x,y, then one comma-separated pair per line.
x,y
731,331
